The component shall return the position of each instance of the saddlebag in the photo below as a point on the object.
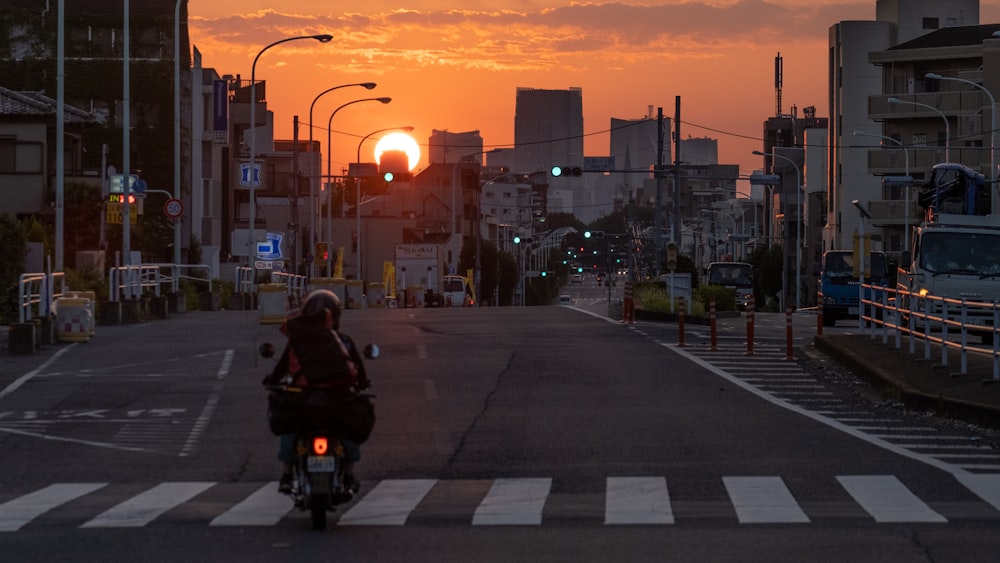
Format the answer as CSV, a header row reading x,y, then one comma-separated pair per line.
x,y
345,415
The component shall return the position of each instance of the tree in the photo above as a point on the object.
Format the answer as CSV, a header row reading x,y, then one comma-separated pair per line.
x,y
12,264
767,264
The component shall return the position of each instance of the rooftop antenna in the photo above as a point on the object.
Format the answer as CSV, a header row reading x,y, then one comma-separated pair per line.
x,y
777,84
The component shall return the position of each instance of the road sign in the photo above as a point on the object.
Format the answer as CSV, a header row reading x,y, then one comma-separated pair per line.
x,y
598,163
173,208
362,169
114,216
117,183
271,248
245,174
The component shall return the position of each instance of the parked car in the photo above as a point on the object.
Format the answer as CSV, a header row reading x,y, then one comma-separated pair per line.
x,y
565,299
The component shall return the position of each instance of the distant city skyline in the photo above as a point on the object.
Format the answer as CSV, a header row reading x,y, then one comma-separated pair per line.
x,y
459,69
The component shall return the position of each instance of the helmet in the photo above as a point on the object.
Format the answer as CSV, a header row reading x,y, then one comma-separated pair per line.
x,y
320,300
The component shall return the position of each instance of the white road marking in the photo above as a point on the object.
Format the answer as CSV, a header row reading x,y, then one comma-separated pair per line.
x,y
388,504
763,500
887,499
147,506
265,507
513,502
637,500
16,513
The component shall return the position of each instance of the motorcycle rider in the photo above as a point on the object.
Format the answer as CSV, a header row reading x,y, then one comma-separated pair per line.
x,y
317,356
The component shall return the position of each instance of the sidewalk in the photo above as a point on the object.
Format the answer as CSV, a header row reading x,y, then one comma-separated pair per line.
x,y
921,384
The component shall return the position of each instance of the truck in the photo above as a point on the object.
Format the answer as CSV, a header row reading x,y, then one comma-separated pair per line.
x,y
958,224
423,276
456,291
737,276
839,282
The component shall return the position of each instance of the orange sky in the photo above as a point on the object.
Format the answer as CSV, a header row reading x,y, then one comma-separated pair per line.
x,y
457,68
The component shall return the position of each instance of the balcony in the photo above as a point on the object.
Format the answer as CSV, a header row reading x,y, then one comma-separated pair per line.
x,y
894,212
891,161
966,102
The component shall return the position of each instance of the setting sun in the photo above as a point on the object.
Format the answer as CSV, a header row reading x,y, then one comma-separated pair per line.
x,y
399,142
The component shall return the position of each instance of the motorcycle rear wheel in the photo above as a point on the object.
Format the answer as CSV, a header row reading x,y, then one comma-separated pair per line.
x,y
317,511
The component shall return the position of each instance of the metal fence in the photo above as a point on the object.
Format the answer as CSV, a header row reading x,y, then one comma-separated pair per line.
x,y
130,282
944,321
36,293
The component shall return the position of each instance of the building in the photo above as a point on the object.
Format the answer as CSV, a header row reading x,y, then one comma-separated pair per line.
x,y
93,61
28,150
968,59
854,78
548,131
445,146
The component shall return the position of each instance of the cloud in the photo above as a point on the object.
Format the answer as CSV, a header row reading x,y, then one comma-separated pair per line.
x,y
580,37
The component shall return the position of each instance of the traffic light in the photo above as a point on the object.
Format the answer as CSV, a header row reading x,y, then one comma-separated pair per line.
x,y
558,171
391,177
520,239
593,234
322,252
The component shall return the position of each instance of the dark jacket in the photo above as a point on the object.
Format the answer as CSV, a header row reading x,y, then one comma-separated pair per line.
x,y
313,358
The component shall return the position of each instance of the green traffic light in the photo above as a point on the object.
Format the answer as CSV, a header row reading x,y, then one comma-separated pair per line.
x,y
586,234
557,171
517,240
387,176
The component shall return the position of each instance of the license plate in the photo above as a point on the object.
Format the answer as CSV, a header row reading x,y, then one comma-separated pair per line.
x,y
852,310
321,464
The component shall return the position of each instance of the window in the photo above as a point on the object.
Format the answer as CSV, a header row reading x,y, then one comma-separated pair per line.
x,y
7,156
931,23
20,158
919,140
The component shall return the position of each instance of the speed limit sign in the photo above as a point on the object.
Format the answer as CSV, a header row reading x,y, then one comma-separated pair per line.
x,y
173,208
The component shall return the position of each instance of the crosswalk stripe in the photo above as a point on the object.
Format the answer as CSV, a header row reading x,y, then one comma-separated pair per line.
x,y
987,487
16,513
388,504
887,499
513,502
265,507
763,500
637,500
147,506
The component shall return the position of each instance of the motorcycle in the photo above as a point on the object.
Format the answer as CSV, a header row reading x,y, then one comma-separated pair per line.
x,y
319,483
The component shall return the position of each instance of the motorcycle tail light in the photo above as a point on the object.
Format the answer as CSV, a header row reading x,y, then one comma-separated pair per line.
x,y
320,445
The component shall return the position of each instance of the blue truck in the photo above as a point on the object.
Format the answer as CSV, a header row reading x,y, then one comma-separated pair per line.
x,y
839,281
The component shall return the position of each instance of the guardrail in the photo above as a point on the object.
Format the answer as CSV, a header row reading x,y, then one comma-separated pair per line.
x,y
296,285
932,319
36,293
129,282
245,282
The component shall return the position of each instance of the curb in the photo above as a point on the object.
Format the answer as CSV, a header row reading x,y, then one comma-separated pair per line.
x,y
910,396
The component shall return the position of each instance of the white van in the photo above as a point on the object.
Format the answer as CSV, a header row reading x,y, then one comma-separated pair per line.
x,y
455,291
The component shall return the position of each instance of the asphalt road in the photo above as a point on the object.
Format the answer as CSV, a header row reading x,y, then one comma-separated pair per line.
x,y
539,434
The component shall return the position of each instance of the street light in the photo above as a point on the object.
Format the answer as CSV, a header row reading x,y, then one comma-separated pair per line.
x,y
906,193
798,224
251,243
357,185
329,172
947,128
312,186
993,118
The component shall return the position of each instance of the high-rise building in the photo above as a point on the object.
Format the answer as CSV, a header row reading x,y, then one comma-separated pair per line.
x,y
548,131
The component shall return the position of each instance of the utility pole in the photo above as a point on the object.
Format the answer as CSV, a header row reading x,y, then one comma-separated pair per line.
x,y
658,215
676,237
